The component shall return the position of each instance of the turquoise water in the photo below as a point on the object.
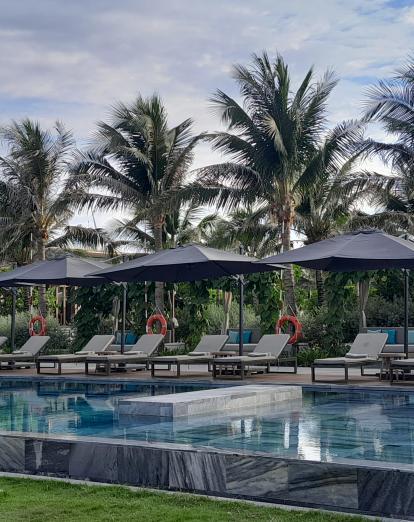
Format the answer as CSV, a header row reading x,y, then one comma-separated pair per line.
x,y
324,426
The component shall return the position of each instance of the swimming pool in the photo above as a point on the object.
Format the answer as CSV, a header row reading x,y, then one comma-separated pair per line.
x,y
326,426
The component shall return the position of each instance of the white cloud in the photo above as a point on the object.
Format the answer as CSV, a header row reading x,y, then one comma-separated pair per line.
x,y
72,60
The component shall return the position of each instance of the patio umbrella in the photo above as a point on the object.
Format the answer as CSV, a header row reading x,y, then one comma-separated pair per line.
x,y
189,263
359,251
67,270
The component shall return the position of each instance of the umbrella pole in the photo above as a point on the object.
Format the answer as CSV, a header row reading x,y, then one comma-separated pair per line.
x,y
241,308
124,303
13,319
241,313
406,294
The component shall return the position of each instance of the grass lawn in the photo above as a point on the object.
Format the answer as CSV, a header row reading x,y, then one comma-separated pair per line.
x,y
41,500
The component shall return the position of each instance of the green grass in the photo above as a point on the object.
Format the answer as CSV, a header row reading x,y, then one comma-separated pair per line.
x,y
46,500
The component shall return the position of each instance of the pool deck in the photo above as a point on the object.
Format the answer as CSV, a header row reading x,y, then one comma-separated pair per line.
x,y
198,372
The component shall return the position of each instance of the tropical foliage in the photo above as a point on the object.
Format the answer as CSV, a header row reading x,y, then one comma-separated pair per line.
x,y
289,174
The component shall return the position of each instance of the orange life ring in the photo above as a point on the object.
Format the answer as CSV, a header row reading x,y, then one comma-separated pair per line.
x,y
157,318
43,327
297,325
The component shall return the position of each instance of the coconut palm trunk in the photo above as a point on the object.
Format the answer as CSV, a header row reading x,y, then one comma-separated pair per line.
x,y
287,275
320,290
41,256
159,286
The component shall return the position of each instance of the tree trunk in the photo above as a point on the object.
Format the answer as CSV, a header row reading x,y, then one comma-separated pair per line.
x,y
41,256
363,292
159,286
287,274
319,287
228,297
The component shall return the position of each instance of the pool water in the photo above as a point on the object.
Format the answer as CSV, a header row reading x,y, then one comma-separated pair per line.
x,y
324,426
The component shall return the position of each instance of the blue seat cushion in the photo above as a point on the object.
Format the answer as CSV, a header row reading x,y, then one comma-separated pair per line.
x,y
392,335
410,336
247,335
233,337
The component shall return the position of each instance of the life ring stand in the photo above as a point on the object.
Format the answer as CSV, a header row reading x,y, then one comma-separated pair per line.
x,y
296,324
43,325
154,319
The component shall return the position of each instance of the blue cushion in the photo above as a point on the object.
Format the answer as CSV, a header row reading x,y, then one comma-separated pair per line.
x,y
247,335
130,338
233,337
410,336
392,335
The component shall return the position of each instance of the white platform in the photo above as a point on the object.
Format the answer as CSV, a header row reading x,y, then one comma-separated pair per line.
x,y
209,401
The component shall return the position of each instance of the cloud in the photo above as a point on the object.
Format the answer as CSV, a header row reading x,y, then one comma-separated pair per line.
x,y
72,60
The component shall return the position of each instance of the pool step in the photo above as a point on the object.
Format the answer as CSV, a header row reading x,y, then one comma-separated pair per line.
x,y
208,401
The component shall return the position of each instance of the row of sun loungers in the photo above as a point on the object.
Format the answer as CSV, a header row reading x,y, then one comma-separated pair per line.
x,y
98,352
365,351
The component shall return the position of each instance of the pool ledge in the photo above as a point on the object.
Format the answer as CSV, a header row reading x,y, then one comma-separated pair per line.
x,y
202,402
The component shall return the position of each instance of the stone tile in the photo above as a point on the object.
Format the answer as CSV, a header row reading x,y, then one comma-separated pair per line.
x,y
323,484
94,462
258,477
197,471
143,466
386,492
12,454
47,456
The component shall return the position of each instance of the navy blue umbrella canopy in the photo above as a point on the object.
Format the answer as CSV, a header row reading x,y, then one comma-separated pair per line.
x,y
186,263
68,270
359,251
9,279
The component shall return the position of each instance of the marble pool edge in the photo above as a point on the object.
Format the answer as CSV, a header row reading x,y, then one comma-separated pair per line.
x,y
366,487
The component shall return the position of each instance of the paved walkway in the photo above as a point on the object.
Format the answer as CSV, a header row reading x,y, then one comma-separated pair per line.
x,y
198,372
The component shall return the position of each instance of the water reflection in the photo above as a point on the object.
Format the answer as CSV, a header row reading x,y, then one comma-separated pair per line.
x,y
323,426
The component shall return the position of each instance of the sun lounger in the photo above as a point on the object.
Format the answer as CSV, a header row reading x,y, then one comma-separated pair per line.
x,y
364,351
26,354
265,354
401,367
139,354
203,353
98,343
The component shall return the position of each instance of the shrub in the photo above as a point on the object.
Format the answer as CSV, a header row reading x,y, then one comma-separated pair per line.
x,y
327,333
306,356
60,340
215,316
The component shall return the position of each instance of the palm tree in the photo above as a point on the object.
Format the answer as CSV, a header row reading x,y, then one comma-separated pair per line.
x,y
269,140
391,103
134,162
32,204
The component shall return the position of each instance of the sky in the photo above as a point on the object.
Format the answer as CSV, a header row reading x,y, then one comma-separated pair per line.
x,y
71,60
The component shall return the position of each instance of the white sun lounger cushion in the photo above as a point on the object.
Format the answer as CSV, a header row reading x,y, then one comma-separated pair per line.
x,y
199,354
257,354
356,355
